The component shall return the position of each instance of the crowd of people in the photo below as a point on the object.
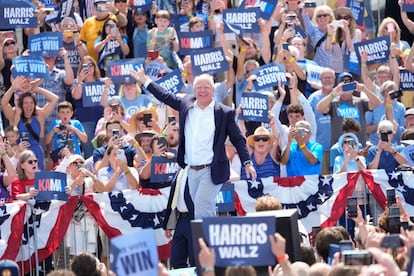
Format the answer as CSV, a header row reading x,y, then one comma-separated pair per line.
x,y
340,123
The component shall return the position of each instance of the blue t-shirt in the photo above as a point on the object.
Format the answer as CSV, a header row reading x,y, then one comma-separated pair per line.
x,y
298,165
387,161
61,138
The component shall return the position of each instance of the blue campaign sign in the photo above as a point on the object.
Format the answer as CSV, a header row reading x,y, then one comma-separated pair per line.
x,y
118,70
208,61
225,198
172,82
30,66
378,49
299,32
92,93
357,8
313,73
245,19
254,107
195,40
46,44
51,185
163,169
17,14
269,75
266,7
141,6
240,241
154,70
408,6
406,80
135,254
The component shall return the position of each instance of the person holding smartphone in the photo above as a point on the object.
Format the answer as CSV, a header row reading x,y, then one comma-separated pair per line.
x,y
385,155
350,160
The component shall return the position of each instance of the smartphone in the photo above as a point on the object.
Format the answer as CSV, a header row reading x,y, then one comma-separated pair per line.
x,y
405,225
25,137
309,5
113,30
48,10
162,142
390,191
290,25
390,27
352,206
333,248
153,55
62,127
345,245
349,87
171,119
384,136
392,241
291,17
315,231
147,117
394,225
338,23
121,155
285,46
115,108
85,67
115,134
360,257
394,211
396,94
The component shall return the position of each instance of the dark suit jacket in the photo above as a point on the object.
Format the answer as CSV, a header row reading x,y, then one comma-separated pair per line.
x,y
224,118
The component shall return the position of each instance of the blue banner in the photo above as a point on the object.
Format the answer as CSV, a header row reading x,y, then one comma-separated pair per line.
x,y
118,70
313,73
30,66
357,8
408,6
172,82
141,6
406,80
240,241
246,20
378,49
51,185
254,107
46,44
17,14
269,75
163,169
135,254
208,61
92,93
225,198
154,70
195,40
266,7
299,32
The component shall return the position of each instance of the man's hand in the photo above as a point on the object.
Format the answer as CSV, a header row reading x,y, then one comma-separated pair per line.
x,y
251,172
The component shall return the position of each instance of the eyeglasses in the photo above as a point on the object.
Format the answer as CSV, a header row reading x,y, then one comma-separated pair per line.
x,y
12,43
346,17
386,132
261,138
91,65
32,161
139,119
323,15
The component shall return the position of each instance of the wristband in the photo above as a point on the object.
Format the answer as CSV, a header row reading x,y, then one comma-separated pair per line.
x,y
363,64
136,144
243,49
210,17
292,59
207,269
394,153
4,154
127,172
329,35
332,95
282,258
302,146
388,104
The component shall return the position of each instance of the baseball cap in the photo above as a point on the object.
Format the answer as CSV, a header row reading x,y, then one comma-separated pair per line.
x,y
303,125
409,111
9,267
344,75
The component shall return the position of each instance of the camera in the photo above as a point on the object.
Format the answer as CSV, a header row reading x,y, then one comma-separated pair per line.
x,y
62,127
301,132
396,94
291,17
115,134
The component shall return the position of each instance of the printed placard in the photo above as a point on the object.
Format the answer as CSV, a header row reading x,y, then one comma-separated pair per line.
x,y
118,70
245,19
195,40
135,254
313,73
406,80
51,185
225,198
154,69
254,107
30,66
92,93
357,8
172,82
240,241
46,44
141,6
163,169
408,6
299,32
378,49
266,7
17,14
208,61
269,75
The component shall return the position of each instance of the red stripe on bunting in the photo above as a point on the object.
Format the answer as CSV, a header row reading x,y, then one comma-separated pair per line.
x,y
375,188
16,232
289,182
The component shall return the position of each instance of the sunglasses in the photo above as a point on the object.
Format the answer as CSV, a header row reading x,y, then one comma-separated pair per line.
x,y
122,1
386,132
7,44
323,15
346,17
350,142
32,161
78,164
261,138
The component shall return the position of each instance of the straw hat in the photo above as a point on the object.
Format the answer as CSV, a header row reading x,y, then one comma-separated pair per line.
x,y
140,113
259,132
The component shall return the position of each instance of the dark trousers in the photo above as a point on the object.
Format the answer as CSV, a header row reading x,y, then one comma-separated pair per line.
x,y
182,246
